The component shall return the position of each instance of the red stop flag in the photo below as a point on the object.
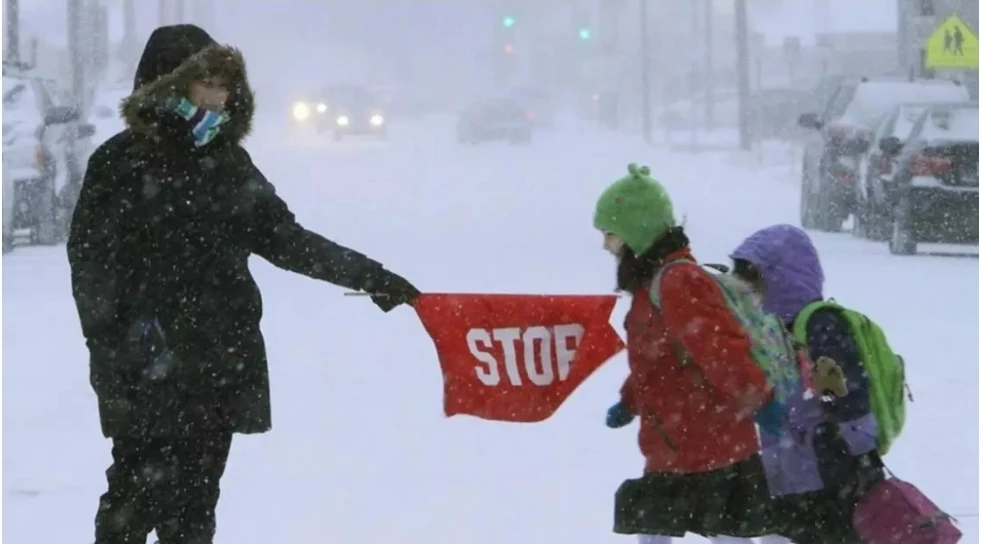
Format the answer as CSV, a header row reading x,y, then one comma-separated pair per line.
x,y
517,357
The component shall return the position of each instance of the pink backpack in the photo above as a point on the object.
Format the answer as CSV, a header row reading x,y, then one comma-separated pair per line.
x,y
897,512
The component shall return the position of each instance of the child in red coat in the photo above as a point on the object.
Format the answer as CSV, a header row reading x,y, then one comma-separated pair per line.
x,y
693,383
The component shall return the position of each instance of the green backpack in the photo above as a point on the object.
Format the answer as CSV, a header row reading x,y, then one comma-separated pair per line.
x,y
771,348
885,368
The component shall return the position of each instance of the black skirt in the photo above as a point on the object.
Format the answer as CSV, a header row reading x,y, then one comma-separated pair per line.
x,y
730,501
826,516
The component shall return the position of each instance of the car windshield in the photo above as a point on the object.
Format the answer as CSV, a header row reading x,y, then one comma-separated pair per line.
x,y
532,95
873,100
953,124
503,108
351,98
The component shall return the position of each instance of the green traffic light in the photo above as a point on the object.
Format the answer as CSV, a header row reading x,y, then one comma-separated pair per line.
x,y
584,33
508,21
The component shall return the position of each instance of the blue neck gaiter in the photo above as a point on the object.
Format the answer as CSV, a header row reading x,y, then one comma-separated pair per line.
x,y
205,124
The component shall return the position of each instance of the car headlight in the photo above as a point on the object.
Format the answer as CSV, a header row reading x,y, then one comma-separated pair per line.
x,y
301,111
321,108
342,120
376,120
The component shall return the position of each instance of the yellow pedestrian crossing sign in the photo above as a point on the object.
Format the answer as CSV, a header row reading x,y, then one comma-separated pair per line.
x,y
952,46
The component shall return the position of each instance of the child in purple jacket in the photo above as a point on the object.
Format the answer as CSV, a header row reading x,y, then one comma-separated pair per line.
x,y
782,263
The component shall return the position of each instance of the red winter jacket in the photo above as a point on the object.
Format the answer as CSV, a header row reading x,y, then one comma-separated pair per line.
x,y
694,416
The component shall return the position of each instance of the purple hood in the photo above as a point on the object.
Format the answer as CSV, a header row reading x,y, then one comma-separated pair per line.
x,y
789,265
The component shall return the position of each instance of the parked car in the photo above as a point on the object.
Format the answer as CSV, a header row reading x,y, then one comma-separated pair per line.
x,y
45,150
539,105
871,219
841,134
934,193
495,119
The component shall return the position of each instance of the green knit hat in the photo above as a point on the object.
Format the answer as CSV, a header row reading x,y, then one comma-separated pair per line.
x,y
636,208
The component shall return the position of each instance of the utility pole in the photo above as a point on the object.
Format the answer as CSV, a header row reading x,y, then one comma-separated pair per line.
x,y
163,15
12,29
129,23
76,54
694,76
926,8
743,74
643,15
708,79
199,14
128,46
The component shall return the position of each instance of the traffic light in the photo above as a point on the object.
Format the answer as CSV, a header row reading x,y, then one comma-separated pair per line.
x,y
508,49
508,21
584,33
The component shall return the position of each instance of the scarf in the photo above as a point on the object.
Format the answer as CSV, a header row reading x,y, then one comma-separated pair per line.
x,y
205,124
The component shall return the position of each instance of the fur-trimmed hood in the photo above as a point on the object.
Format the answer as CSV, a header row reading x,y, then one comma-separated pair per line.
x,y
173,58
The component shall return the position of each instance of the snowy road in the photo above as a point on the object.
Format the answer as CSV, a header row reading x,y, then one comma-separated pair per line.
x,y
360,451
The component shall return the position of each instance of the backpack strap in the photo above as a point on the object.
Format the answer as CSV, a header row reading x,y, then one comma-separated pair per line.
x,y
800,324
655,295
655,288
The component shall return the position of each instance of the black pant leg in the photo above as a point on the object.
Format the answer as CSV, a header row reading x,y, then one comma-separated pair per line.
x,y
126,510
188,501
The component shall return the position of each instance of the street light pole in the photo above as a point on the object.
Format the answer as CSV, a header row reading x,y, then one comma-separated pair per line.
x,y
163,17
708,80
76,54
12,29
743,74
646,69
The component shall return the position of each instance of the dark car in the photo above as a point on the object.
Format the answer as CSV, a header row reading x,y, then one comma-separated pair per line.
x,y
539,105
350,111
933,195
497,119
873,211
841,135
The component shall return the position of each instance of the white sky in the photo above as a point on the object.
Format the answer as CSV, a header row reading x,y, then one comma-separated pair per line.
x,y
775,18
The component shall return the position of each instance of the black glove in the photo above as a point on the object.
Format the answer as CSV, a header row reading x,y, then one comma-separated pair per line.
x,y
390,290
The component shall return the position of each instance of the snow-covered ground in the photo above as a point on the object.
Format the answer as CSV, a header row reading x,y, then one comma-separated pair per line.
x,y
360,451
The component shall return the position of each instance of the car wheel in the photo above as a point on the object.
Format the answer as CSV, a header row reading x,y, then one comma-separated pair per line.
x,y
45,231
829,214
878,225
860,222
807,215
902,240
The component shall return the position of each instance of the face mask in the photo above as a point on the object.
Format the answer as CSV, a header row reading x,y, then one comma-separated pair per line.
x,y
205,124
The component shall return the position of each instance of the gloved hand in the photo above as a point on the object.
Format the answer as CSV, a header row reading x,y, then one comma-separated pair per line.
x,y
619,416
390,290
827,377
770,418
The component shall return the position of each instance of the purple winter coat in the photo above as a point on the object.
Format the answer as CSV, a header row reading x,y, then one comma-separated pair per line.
x,y
809,455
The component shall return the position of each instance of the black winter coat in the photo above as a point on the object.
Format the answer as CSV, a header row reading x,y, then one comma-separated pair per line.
x,y
162,232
